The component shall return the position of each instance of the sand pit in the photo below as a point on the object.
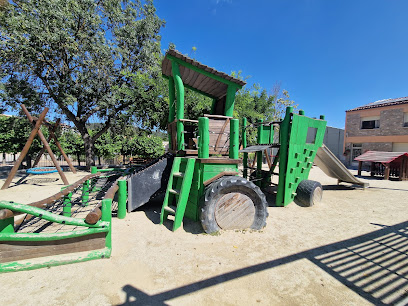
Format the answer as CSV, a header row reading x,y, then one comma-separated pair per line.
x,y
350,249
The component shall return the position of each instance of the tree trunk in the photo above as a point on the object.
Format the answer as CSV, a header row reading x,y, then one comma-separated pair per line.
x,y
99,160
79,159
89,151
28,161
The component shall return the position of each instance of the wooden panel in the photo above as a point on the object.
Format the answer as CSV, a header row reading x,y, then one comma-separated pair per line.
x,y
235,211
189,74
199,79
219,134
210,86
19,250
203,84
192,79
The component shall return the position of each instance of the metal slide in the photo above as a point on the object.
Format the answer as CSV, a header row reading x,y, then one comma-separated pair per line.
x,y
334,168
149,182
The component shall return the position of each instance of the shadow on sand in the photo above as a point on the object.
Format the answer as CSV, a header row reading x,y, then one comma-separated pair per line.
x,y
374,265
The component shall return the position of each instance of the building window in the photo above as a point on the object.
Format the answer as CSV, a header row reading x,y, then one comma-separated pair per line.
x,y
368,123
356,150
406,119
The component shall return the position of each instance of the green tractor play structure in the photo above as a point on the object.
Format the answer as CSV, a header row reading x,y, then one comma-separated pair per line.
x,y
201,175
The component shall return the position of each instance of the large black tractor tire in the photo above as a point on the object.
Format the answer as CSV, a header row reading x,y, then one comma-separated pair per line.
x,y
233,202
309,193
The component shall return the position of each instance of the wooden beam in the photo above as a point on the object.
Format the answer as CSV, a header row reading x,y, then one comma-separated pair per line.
x,y
50,129
221,174
23,153
47,147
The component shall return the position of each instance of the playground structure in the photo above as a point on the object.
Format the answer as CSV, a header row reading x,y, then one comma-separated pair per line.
x,y
200,179
73,225
36,123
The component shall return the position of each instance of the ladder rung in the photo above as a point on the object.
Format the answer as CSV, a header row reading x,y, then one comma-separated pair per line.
x,y
178,174
174,191
170,209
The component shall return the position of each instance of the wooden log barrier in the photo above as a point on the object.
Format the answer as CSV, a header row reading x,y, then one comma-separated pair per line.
x,y
6,213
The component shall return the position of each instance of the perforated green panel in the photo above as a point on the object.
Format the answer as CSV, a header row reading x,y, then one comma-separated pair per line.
x,y
300,153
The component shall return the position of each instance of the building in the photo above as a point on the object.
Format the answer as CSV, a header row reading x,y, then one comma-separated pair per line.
x,y
377,126
333,140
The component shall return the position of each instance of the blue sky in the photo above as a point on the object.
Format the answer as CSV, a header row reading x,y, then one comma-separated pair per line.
x,y
331,55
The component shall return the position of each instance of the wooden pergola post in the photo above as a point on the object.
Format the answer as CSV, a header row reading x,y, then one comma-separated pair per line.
x,y
387,171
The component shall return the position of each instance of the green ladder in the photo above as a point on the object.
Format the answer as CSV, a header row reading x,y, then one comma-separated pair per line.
x,y
178,187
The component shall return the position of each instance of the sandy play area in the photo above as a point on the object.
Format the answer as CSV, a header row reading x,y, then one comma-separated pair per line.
x,y
351,249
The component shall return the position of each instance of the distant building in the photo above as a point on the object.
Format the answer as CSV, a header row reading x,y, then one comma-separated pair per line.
x,y
377,126
333,139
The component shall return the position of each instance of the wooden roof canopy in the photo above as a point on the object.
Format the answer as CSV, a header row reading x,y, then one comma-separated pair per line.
x,y
381,157
199,77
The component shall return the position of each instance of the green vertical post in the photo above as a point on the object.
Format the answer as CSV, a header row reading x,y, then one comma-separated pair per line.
x,y
234,139
230,99
67,204
283,155
7,225
214,103
107,217
172,109
259,154
85,192
94,169
122,197
244,145
180,105
204,137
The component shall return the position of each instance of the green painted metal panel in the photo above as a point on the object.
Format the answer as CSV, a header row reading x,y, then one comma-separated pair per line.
x,y
300,155
283,154
211,170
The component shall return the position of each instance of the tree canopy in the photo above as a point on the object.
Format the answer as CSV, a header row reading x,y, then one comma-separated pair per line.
x,y
81,58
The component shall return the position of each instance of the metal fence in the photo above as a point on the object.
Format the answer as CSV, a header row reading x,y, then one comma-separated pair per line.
x,y
7,159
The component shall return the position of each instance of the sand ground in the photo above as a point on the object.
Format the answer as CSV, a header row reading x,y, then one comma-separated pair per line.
x,y
351,249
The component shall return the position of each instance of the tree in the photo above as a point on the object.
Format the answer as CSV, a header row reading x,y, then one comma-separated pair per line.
x,y
14,132
72,144
81,57
256,103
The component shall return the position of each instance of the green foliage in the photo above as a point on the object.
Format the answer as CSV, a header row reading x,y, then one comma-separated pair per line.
x,y
145,146
14,132
72,143
255,103
81,57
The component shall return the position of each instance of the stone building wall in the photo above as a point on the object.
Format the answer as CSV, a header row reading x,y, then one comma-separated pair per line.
x,y
391,123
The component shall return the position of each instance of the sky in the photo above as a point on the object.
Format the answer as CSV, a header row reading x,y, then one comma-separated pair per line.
x,y
331,55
